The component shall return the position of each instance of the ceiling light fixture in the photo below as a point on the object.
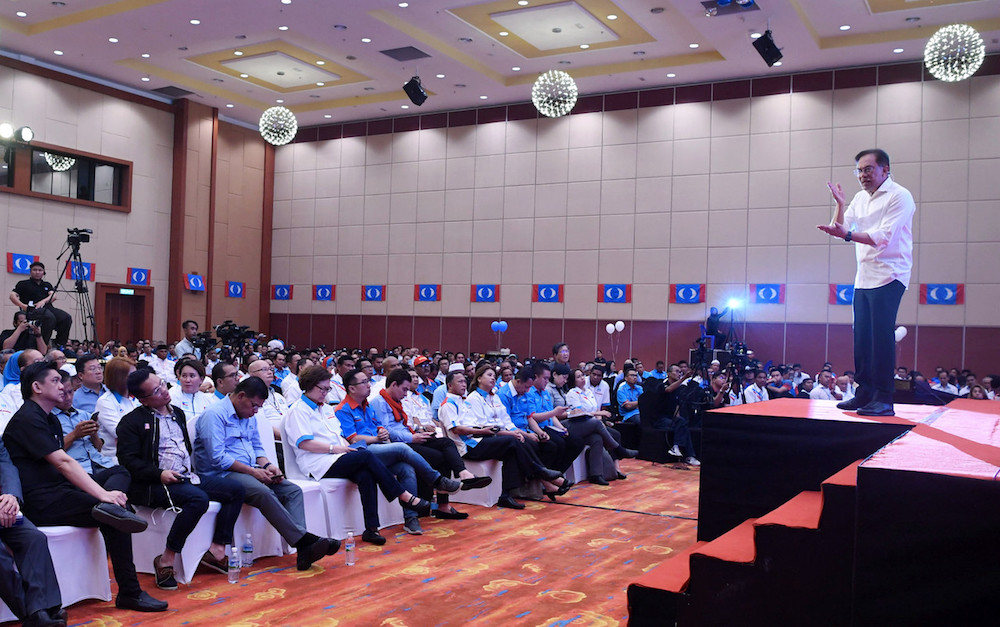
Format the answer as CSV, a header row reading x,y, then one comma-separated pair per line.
x,y
404,106
195,22
145,79
286,1
503,33
483,97
113,40
671,75
230,105
144,55
280,101
897,50
439,75
692,46
366,40
522,3
282,28
58,163
21,14
403,5
320,84
845,27
612,17
327,116
584,46
339,27
238,53
58,53
321,63
777,64
244,76
554,93
278,126
516,68
755,35
954,53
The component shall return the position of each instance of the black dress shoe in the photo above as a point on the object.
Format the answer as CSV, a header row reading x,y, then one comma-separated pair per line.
x,y
876,408
622,476
541,472
597,480
372,536
851,405
476,482
508,502
311,553
334,546
626,453
59,613
41,618
118,517
141,603
449,514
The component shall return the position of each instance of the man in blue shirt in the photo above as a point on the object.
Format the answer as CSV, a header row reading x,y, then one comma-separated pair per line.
x,y
514,396
558,448
228,445
660,371
360,426
91,373
80,439
628,397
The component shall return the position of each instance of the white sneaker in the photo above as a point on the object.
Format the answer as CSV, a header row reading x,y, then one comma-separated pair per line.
x,y
675,452
691,461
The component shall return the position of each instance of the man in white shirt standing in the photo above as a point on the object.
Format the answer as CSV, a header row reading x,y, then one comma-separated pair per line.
x,y
879,222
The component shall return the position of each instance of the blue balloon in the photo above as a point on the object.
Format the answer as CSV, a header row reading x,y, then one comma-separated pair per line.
x,y
503,325
494,326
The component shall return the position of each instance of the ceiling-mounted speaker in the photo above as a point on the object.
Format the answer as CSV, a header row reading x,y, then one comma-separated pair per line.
x,y
414,91
766,48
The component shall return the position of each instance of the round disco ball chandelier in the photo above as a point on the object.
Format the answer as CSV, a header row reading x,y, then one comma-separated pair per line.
x,y
554,93
278,126
954,53
59,163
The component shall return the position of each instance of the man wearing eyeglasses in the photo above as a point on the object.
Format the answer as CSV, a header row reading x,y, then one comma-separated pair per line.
x,y
227,444
153,445
224,377
879,221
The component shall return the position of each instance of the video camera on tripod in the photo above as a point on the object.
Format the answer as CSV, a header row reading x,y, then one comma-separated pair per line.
x,y
235,338
75,237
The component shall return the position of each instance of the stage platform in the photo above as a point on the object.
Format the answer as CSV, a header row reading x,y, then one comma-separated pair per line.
x,y
812,515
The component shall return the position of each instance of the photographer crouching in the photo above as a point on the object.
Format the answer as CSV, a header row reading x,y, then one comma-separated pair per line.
x,y
33,296
23,336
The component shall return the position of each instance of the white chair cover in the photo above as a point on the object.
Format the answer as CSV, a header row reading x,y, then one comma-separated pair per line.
x,y
151,542
488,496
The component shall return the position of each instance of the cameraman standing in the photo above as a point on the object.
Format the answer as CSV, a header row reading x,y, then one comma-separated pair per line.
x,y
186,346
23,336
36,293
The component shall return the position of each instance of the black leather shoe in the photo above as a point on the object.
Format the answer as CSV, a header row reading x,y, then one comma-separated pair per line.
x,y
876,408
626,453
597,480
41,618
851,405
476,482
372,536
118,517
334,546
541,472
308,554
509,503
141,603
59,613
449,514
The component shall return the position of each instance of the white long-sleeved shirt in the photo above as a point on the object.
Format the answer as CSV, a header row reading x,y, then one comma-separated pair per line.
x,y
887,217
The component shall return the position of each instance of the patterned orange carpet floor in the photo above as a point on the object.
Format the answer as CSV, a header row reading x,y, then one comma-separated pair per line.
x,y
551,564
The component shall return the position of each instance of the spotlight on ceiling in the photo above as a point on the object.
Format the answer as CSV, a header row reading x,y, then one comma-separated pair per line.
x,y
766,48
414,91
24,134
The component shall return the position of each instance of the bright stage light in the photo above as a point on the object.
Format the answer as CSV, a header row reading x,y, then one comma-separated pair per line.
x,y
734,303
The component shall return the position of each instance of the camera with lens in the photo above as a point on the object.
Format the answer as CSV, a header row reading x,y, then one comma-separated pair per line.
x,y
203,341
32,314
232,334
76,237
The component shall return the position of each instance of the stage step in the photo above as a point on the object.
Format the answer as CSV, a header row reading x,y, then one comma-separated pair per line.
x,y
797,557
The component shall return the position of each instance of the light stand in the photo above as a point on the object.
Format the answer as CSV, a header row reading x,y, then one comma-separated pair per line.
x,y
84,308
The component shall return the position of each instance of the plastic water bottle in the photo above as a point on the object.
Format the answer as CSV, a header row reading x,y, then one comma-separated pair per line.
x,y
248,551
234,565
349,553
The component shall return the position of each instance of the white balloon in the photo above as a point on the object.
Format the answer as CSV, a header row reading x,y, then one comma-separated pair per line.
x,y
900,333
619,326
610,328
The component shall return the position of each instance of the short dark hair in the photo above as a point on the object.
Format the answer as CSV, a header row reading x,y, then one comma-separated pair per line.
x,y
36,263
397,377
312,376
350,376
185,324
525,374
136,379
561,369
344,358
194,363
219,371
18,314
558,347
451,376
541,366
34,372
252,387
83,360
881,156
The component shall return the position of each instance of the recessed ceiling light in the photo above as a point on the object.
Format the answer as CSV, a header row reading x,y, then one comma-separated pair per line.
x,y
280,101
584,46
913,19
656,10
113,40
483,97
230,105
403,5
144,79
897,50
244,76
21,14
503,33
465,40
460,85
320,84
327,116
565,62
754,35
404,106
776,64
522,3
366,40
369,89
282,28
217,80
439,75
638,53
195,22
692,46
58,53
144,55
516,68
671,75
58,3
612,17
339,27
845,27
321,63
238,53
286,1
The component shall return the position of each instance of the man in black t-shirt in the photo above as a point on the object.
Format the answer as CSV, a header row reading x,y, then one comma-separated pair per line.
x,y
39,292
23,336
58,491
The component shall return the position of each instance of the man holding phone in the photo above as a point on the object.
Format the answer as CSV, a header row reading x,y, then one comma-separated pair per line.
x,y
154,446
80,439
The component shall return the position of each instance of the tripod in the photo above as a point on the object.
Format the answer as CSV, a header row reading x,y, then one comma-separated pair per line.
x,y
74,267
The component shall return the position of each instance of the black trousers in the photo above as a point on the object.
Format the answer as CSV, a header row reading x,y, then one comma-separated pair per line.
x,y
32,586
73,509
441,454
369,473
55,319
559,451
520,461
193,501
875,342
